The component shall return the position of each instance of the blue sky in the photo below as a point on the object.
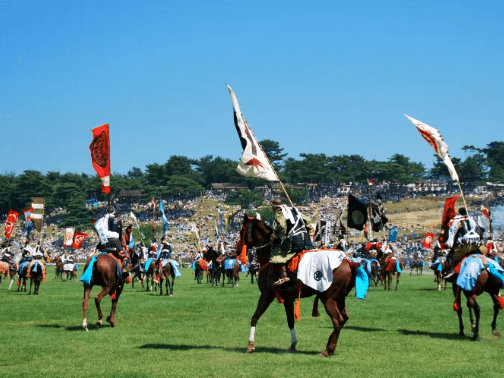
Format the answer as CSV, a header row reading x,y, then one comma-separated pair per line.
x,y
331,77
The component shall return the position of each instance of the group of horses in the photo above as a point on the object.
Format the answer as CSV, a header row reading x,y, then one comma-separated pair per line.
x,y
219,271
11,270
255,234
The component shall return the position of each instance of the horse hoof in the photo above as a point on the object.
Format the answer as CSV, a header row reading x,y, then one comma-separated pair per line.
x,y
250,349
99,322
315,314
325,353
292,349
496,333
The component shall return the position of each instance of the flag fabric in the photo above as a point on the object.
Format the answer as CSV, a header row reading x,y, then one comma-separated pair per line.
x,y
392,236
163,217
483,220
69,234
79,239
100,155
434,138
154,216
371,181
131,241
37,214
448,214
134,218
357,213
428,240
378,218
28,222
254,162
10,223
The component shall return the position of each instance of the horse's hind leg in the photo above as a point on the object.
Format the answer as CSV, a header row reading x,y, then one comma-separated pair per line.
x,y
496,308
315,312
338,317
262,305
472,304
397,281
104,291
85,306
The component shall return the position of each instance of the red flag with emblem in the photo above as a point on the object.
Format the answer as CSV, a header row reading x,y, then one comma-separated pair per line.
x,y
254,162
10,223
79,239
100,155
428,240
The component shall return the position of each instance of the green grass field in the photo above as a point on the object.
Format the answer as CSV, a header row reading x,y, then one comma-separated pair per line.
x,y
203,331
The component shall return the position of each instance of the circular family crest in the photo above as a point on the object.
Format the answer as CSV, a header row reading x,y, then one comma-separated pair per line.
x,y
100,150
357,217
317,276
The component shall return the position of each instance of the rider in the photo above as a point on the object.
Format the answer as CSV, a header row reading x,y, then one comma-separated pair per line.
x,y
112,229
165,250
289,236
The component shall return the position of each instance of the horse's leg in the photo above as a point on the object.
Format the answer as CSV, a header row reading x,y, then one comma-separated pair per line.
x,y
398,275
31,282
85,306
265,300
104,291
338,320
315,312
472,303
458,308
496,308
289,311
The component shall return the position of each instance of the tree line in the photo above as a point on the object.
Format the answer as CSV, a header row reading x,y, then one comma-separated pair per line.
x,y
181,176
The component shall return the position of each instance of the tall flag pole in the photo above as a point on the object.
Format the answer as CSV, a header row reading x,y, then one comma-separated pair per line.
x,y
254,162
434,138
100,156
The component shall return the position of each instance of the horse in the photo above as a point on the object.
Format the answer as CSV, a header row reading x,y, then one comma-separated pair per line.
x,y
105,273
22,276
253,267
212,256
58,268
36,274
151,274
485,282
231,272
136,268
69,270
439,267
198,272
389,267
374,266
255,233
418,265
167,273
4,270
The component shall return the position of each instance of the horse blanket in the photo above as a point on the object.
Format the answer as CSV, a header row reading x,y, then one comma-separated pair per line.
x,y
229,264
174,265
86,276
70,267
389,265
471,268
147,263
437,265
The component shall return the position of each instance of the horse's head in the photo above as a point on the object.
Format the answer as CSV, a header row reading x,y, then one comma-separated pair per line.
x,y
255,233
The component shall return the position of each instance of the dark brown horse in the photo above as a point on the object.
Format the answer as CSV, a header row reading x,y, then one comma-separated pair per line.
x,y
485,282
36,275
151,278
256,234
166,273
104,274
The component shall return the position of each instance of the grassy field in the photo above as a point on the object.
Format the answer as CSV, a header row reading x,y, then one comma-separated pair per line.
x,y
203,331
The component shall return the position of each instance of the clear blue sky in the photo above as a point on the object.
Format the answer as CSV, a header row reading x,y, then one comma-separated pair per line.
x,y
327,77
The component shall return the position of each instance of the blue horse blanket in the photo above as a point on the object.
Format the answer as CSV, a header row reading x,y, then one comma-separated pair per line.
x,y
147,264
86,276
361,283
229,264
174,265
471,268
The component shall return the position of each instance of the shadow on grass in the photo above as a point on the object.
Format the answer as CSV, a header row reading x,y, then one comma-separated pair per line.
x,y
435,335
91,327
226,349
49,326
364,329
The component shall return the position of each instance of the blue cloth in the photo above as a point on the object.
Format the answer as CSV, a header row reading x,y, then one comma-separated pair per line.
x,y
243,268
392,234
368,264
398,266
23,265
229,264
175,268
35,267
147,263
469,272
361,283
76,267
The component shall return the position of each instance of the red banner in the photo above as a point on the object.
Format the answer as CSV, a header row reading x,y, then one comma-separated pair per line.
x,y
429,239
78,239
100,155
12,218
449,213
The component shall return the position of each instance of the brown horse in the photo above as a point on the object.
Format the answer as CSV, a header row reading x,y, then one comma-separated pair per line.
x,y
151,278
485,282
4,270
256,234
36,275
104,274
166,273
440,267
389,268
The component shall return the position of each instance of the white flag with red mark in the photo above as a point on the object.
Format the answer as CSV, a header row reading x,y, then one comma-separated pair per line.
x,y
254,162
434,138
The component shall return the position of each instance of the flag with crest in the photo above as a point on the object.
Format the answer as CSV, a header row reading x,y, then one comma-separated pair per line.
x,y
10,223
254,162
78,239
357,213
100,155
